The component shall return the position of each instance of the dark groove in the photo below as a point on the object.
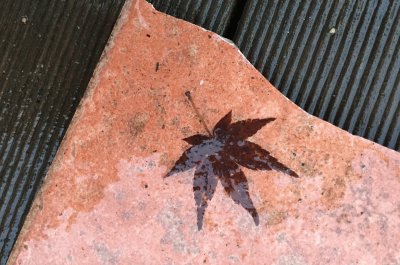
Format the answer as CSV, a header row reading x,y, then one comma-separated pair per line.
x,y
233,19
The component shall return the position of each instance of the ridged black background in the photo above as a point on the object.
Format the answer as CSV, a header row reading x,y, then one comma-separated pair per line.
x,y
350,78
48,51
220,16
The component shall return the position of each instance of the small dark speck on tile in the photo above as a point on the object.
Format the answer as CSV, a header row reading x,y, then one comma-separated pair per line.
x,y
148,35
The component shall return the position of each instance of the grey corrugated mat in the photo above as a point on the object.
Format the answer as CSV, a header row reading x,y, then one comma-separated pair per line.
x,y
337,59
48,51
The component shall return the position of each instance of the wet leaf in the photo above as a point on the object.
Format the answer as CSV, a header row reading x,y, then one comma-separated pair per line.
x,y
219,157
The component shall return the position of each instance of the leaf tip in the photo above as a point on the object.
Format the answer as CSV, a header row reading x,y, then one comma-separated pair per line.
x,y
170,173
268,120
255,216
293,174
200,222
196,139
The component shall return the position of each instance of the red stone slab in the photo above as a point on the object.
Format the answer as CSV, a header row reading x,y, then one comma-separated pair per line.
x,y
105,201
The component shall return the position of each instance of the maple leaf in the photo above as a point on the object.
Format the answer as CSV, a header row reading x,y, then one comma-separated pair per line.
x,y
219,157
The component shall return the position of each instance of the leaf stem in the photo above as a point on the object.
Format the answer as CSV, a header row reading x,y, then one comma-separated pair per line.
x,y
189,96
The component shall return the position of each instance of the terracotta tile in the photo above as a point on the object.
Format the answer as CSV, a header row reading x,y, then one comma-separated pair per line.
x,y
105,201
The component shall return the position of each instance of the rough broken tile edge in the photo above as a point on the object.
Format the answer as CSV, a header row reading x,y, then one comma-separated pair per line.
x,y
36,204
87,96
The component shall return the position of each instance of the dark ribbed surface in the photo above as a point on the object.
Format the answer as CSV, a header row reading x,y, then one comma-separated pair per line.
x,y
350,78
219,16
48,51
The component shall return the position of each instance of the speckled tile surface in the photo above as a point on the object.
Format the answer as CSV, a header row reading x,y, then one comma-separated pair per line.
x,y
105,200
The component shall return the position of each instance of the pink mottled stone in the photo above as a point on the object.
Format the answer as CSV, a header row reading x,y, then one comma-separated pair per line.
x,y
104,200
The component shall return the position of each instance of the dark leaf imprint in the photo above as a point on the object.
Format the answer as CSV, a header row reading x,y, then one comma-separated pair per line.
x,y
219,157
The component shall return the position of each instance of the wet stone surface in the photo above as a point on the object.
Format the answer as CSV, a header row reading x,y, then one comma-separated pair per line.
x,y
105,199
